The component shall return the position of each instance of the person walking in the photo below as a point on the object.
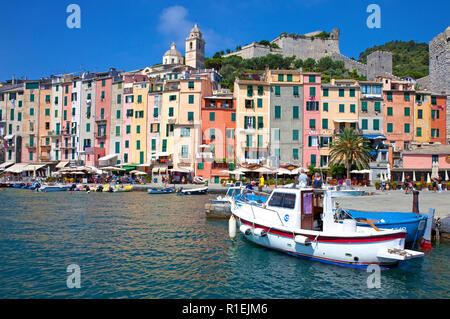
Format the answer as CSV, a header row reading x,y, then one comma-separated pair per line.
x,y
303,178
261,183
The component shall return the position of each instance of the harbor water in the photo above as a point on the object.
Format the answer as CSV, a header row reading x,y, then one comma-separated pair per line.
x,y
135,245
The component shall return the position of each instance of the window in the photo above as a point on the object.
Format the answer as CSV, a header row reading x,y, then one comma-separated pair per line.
x,y
352,92
312,91
212,116
277,133
312,105
212,133
88,127
376,124
295,135
419,132
185,132
128,129
390,127
407,111
47,112
406,96
419,114
249,90
260,141
433,100
341,92
352,108
295,153
389,96
312,123
119,98
313,160
200,165
102,97
277,90
117,147
19,116
341,108
172,97
260,90
117,130
407,128
138,129
295,90
377,107
295,114
277,111
153,144
184,151
190,116
248,140
164,146
138,145
325,106
312,79
233,117
260,103
389,111
280,77
260,122
434,158
364,106
282,200
364,124
65,101
190,84
127,144
103,82
170,111
191,99
325,92
325,123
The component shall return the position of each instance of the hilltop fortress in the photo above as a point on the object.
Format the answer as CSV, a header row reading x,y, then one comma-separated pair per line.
x,y
317,45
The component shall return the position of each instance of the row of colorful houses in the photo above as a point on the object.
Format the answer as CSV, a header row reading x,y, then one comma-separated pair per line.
x,y
177,117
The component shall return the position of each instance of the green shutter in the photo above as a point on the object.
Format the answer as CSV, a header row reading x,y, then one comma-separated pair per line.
x,y
295,114
376,124
352,108
407,128
419,132
277,111
325,106
389,111
312,123
390,127
364,123
341,92
233,117
280,77
364,106
377,106
407,111
325,123
352,92
191,99
325,92
341,108
289,77
277,90
260,103
212,116
295,90
312,91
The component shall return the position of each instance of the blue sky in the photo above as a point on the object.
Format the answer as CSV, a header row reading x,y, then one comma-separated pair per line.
x,y
35,41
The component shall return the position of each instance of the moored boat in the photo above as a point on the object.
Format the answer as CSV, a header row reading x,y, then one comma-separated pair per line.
x,y
302,222
193,191
166,190
55,188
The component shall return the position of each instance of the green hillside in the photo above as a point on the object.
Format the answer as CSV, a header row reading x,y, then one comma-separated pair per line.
x,y
408,57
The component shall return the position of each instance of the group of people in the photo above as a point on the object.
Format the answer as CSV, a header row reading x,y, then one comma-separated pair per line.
x,y
303,180
409,186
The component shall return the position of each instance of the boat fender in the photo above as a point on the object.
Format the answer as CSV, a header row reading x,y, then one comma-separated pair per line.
x,y
260,232
303,240
246,230
232,227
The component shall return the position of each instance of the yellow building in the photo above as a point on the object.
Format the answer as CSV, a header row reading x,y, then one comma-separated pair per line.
x,y
422,117
252,121
139,123
339,109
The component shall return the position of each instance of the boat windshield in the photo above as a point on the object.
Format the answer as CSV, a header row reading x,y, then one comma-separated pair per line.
x,y
232,192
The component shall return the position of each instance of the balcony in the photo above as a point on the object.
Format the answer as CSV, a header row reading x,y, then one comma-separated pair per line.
x,y
44,157
29,145
171,119
204,155
99,119
100,135
43,145
53,134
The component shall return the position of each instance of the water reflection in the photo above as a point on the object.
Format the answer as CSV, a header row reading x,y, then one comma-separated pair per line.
x,y
135,245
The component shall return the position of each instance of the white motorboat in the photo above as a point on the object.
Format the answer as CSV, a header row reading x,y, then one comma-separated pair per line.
x,y
193,191
55,188
303,223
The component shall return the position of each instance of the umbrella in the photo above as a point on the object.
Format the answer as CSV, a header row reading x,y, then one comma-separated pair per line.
x,y
226,172
365,171
264,170
112,168
446,175
355,171
283,171
414,176
388,172
428,178
135,172
435,170
237,172
403,177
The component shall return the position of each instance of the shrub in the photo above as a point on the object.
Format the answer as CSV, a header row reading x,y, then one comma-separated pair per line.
x,y
394,185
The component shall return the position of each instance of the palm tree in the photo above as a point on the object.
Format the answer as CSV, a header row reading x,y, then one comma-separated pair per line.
x,y
350,148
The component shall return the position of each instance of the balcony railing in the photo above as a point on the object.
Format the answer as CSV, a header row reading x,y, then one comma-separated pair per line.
x,y
100,135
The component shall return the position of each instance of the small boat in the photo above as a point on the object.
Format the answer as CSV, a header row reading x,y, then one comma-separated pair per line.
x,y
166,190
54,188
413,223
193,191
304,223
123,188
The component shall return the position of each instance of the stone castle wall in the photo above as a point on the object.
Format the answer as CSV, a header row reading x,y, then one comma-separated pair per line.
x,y
439,78
379,63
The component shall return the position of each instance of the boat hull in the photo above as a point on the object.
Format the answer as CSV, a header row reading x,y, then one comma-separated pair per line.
x,y
349,252
413,224
161,191
47,189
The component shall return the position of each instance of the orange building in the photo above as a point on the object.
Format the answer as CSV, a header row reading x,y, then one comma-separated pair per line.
x,y
45,119
438,118
218,149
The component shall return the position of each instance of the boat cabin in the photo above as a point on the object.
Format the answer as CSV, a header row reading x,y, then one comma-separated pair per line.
x,y
298,208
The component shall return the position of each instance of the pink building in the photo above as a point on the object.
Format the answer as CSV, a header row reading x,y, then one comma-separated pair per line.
x,y
102,117
311,119
420,161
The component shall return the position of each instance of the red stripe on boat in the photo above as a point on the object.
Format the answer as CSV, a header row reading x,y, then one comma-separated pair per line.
x,y
327,239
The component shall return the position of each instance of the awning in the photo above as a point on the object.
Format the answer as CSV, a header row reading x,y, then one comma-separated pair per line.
x,y
264,170
34,167
6,164
155,170
345,121
162,170
163,154
108,157
182,170
16,168
62,164
374,137
8,137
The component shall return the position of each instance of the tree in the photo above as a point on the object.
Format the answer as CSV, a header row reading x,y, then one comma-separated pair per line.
x,y
350,148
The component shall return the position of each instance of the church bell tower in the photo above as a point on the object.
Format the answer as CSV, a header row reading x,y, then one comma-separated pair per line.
x,y
195,49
